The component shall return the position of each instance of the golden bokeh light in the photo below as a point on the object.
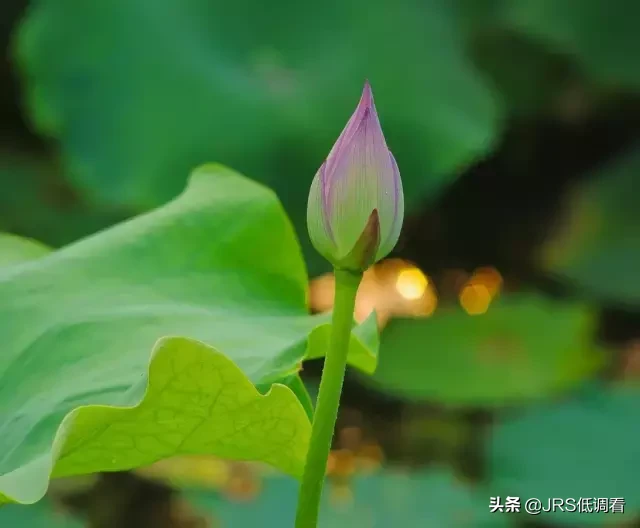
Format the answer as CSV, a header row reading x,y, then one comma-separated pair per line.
x,y
481,288
341,463
475,298
490,278
411,283
393,288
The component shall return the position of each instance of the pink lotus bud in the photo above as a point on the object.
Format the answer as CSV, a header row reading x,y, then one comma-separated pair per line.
x,y
356,204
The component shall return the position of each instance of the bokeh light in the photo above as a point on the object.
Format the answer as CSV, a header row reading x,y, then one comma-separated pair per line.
x,y
478,292
393,288
490,278
475,299
411,283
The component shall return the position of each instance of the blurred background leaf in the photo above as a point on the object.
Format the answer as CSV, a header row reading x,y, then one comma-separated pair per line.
x,y
44,514
601,233
436,499
582,447
523,347
602,37
37,201
190,82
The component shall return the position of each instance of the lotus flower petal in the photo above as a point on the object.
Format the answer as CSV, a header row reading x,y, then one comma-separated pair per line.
x,y
359,176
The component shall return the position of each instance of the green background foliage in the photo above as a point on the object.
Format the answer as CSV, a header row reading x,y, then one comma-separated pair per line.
x,y
269,89
602,233
497,359
582,447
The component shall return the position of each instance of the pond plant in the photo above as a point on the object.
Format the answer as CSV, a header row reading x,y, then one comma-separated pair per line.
x,y
355,214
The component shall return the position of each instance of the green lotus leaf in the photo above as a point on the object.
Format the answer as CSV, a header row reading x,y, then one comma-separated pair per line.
x,y
220,265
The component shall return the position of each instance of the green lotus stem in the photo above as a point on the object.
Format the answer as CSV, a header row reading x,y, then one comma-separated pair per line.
x,y
324,419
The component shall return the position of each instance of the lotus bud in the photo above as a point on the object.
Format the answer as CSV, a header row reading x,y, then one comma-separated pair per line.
x,y
356,204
